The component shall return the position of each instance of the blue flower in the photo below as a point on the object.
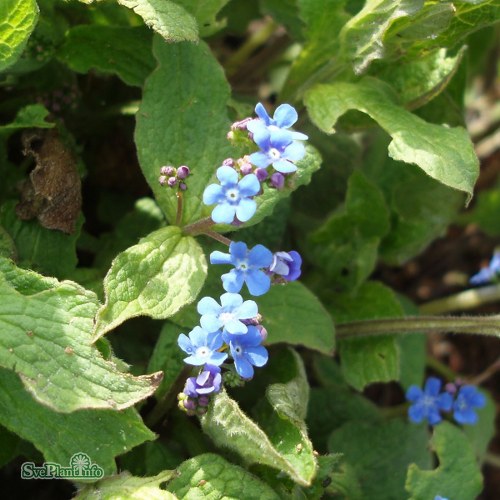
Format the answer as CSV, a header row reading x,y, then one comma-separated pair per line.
x,y
207,382
226,316
438,497
233,198
487,274
287,265
248,266
468,398
246,351
277,148
284,117
428,403
202,347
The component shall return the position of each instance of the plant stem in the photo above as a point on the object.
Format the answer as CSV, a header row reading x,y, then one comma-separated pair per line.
x,y
199,227
178,217
218,237
481,325
468,299
492,459
254,41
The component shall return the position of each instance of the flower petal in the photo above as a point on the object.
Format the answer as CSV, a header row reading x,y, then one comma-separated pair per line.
x,y
249,185
223,213
218,257
243,367
232,281
260,256
246,209
294,151
238,251
432,386
258,283
285,116
231,300
212,194
284,166
227,175
185,344
258,356
208,305
260,159
210,322
261,112
262,137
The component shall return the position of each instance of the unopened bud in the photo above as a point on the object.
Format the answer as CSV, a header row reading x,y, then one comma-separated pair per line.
x,y
246,168
182,186
183,172
162,180
261,174
277,180
228,162
263,332
172,181
167,170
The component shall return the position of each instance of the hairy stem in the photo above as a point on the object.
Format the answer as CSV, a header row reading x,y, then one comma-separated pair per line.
x,y
199,227
178,217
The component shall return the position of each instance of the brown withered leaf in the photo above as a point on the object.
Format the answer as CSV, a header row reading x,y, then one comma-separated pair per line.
x,y
52,193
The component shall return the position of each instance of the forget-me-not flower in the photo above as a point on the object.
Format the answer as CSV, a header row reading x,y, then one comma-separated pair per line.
x,y
284,117
233,197
468,398
287,265
247,351
248,266
428,403
202,347
489,273
207,382
277,149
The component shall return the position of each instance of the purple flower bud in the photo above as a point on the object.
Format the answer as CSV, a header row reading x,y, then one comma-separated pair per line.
x,y
189,404
203,401
263,332
246,168
182,186
287,265
261,174
277,180
172,181
241,125
183,172
162,180
167,170
228,162
253,321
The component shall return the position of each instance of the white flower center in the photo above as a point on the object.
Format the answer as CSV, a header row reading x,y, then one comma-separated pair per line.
x,y
232,195
274,154
226,317
203,351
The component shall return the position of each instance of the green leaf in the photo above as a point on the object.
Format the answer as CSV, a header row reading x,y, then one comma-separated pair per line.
x,y
47,329
31,116
101,434
345,246
445,154
123,51
155,278
167,357
167,18
125,485
10,445
368,360
362,38
18,18
151,458
283,12
458,475
210,476
45,250
485,212
183,122
229,427
7,246
380,454
294,315
205,14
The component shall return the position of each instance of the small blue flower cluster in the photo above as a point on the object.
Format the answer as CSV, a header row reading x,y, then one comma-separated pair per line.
x,y
231,329
488,274
427,404
240,180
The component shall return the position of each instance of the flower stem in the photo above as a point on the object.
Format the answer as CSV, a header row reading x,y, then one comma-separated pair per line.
x,y
218,237
178,217
199,227
468,299
480,325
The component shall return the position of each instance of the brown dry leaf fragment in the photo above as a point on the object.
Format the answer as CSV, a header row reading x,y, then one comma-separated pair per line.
x,y
53,192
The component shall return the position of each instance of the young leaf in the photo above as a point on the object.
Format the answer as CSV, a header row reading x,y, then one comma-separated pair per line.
x,y
445,154
368,360
183,120
31,116
47,328
17,20
205,14
458,475
167,18
210,476
101,434
294,315
382,450
155,278
123,51
125,485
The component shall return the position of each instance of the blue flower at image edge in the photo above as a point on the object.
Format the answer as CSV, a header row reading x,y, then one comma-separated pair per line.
x,y
228,315
468,398
284,117
437,497
428,403
489,273
287,265
202,347
233,198
248,266
277,149
247,351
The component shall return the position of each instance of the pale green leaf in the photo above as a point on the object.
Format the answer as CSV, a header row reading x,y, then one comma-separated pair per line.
x,y
380,454
294,315
31,116
123,51
458,475
167,18
183,120
47,330
126,486
205,14
101,434
155,278
362,38
374,359
210,476
17,20
444,153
